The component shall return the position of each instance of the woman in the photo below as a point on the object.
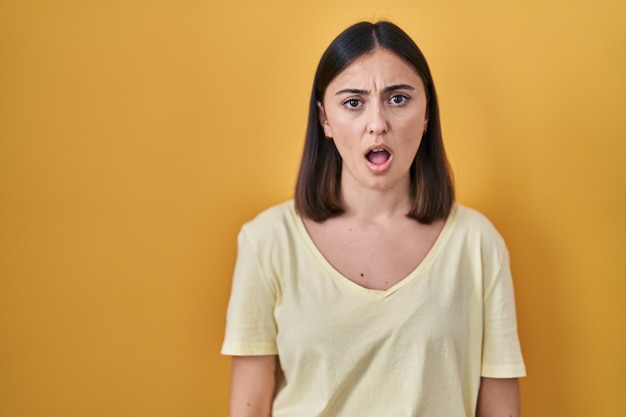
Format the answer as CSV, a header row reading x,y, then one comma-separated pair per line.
x,y
372,293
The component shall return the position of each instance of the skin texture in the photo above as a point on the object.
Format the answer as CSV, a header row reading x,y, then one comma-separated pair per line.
x,y
378,102
498,398
253,380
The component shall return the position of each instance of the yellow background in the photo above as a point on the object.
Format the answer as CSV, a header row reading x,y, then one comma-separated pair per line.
x,y
137,136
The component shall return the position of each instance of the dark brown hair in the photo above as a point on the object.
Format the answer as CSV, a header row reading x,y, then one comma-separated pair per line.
x,y
318,189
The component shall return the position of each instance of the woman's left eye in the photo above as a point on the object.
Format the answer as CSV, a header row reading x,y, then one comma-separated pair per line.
x,y
398,99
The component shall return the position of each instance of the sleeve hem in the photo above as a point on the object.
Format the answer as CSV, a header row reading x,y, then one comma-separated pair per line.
x,y
248,350
503,371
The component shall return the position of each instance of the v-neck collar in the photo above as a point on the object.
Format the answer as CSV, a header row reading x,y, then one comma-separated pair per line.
x,y
411,277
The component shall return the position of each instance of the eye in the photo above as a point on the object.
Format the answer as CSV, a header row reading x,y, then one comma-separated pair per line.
x,y
352,103
399,99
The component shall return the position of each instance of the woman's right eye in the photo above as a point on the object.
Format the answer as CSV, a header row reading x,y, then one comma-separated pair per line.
x,y
352,103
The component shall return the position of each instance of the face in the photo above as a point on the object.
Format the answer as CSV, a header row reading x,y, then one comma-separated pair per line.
x,y
375,112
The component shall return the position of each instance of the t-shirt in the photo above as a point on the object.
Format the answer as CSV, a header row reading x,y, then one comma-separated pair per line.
x,y
416,349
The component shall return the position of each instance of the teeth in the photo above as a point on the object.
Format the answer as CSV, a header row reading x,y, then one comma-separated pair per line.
x,y
377,150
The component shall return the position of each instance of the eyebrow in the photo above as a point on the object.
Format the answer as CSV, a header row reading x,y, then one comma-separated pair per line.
x,y
389,89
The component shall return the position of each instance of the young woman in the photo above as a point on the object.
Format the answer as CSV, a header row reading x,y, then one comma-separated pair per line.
x,y
372,293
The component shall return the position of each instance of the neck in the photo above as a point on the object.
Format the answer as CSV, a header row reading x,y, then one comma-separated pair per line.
x,y
372,203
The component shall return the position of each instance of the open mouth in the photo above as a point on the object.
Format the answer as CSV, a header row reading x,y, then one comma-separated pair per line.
x,y
378,156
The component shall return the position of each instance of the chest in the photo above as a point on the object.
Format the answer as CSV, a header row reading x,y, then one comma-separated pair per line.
x,y
375,256
321,319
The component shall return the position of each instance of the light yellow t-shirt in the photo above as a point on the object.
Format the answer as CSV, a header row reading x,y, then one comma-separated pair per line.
x,y
416,349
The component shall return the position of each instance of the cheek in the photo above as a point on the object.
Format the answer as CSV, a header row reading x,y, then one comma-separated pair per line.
x,y
342,123
345,133
411,129
345,148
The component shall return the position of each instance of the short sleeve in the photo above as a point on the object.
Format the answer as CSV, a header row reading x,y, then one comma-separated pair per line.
x,y
250,325
501,357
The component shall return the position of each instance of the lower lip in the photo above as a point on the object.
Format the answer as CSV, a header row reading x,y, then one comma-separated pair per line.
x,y
379,168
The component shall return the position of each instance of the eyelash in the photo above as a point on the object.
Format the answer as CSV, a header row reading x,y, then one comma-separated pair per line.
x,y
347,103
404,98
355,103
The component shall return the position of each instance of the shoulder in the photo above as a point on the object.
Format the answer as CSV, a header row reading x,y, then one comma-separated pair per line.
x,y
475,226
476,237
274,220
471,219
274,238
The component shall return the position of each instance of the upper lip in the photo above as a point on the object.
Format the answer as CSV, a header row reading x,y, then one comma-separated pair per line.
x,y
378,147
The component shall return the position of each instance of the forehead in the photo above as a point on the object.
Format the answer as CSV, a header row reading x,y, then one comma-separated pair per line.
x,y
379,66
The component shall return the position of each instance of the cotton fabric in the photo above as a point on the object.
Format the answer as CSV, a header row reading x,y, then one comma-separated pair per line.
x,y
416,349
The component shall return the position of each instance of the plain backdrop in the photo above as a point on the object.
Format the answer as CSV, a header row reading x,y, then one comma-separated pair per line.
x,y
137,136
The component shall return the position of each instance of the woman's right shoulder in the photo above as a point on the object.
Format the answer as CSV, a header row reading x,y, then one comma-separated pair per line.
x,y
275,219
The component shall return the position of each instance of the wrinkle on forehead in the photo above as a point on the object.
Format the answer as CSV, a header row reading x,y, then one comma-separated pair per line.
x,y
375,80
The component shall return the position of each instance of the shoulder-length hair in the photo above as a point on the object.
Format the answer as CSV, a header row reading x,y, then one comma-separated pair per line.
x,y
318,188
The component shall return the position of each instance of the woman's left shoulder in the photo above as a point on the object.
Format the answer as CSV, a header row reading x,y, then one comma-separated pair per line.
x,y
472,221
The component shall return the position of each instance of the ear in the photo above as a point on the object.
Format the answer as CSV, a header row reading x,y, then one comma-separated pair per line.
x,y
324,120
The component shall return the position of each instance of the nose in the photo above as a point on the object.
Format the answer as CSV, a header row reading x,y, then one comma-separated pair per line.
x,y
377,120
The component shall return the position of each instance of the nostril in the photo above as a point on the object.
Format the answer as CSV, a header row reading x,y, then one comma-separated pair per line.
x,y
378,130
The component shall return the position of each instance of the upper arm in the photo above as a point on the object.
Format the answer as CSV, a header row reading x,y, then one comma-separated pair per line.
x,y
253,381
498,397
